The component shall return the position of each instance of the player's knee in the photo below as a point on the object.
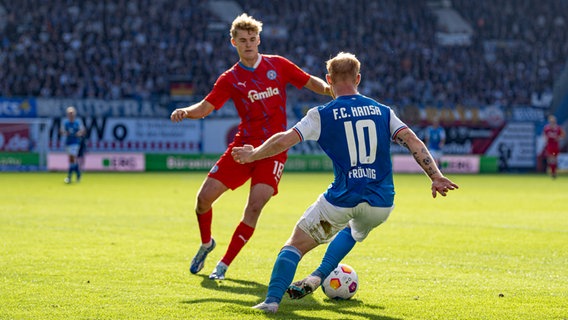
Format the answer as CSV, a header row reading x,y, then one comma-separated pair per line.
x,y
203,203
254,210
252,214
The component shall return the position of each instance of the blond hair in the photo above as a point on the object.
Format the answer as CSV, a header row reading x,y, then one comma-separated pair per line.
x,y
70,109
247,23
344,66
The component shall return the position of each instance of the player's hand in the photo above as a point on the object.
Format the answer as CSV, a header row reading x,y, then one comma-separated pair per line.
x,y
442,185
178,115
242,154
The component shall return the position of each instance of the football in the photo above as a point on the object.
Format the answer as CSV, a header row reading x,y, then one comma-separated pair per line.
x,y
342,283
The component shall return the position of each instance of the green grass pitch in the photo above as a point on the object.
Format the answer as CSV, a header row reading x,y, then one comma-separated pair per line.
x,y
118,246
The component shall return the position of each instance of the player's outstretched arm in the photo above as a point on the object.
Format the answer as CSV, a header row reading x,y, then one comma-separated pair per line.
x,y
318,85
195,111
440,184
276,144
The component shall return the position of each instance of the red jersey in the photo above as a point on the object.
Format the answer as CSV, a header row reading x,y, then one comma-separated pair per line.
x,y
553,135
259,94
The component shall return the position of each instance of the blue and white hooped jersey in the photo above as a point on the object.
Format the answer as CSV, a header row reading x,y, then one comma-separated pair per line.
x,y
71,128
356,133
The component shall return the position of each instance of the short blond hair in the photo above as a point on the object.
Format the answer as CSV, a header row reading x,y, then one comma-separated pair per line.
x,y
71,109
344,66
247,23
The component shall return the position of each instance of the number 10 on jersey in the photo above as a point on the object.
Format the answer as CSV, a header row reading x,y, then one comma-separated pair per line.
x,y
362,150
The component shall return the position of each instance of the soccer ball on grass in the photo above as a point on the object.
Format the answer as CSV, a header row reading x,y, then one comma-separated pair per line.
x,y
342,283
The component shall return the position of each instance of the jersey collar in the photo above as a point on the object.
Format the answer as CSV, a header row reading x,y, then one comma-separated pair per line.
x,y
255,64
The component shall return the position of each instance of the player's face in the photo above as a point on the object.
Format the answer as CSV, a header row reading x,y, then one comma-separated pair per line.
x,y
246,43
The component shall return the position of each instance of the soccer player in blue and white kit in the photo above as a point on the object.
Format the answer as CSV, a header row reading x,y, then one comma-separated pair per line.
x,y
435,139
356,133
72,129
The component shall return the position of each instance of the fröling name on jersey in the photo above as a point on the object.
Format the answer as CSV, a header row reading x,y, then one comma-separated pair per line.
x,y
358,173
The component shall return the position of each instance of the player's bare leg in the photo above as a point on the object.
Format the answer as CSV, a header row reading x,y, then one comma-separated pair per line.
x,y
259,195
210,190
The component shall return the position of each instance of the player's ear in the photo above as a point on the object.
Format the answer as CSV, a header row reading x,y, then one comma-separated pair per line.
x,y
233,42
328,78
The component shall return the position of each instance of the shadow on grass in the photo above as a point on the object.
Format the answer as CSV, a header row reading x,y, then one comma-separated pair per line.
x,y
234,286
289,309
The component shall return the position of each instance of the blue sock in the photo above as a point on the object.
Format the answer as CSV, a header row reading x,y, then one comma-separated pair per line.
x,y
77,171
282,273
73,168
339,247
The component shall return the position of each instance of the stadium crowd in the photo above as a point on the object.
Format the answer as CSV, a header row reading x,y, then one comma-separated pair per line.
x,y
131,48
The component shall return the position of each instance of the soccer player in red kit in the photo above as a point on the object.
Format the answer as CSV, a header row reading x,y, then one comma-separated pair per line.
x,y
553,133
257,85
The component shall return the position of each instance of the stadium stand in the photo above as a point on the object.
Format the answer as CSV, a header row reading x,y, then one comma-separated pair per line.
x,y
131,48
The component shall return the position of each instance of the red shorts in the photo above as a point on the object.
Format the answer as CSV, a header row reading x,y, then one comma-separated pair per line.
x,y
552,150
233,174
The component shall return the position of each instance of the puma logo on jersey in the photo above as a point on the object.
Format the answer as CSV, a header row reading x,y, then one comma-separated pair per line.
x,y
254,95
244,84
